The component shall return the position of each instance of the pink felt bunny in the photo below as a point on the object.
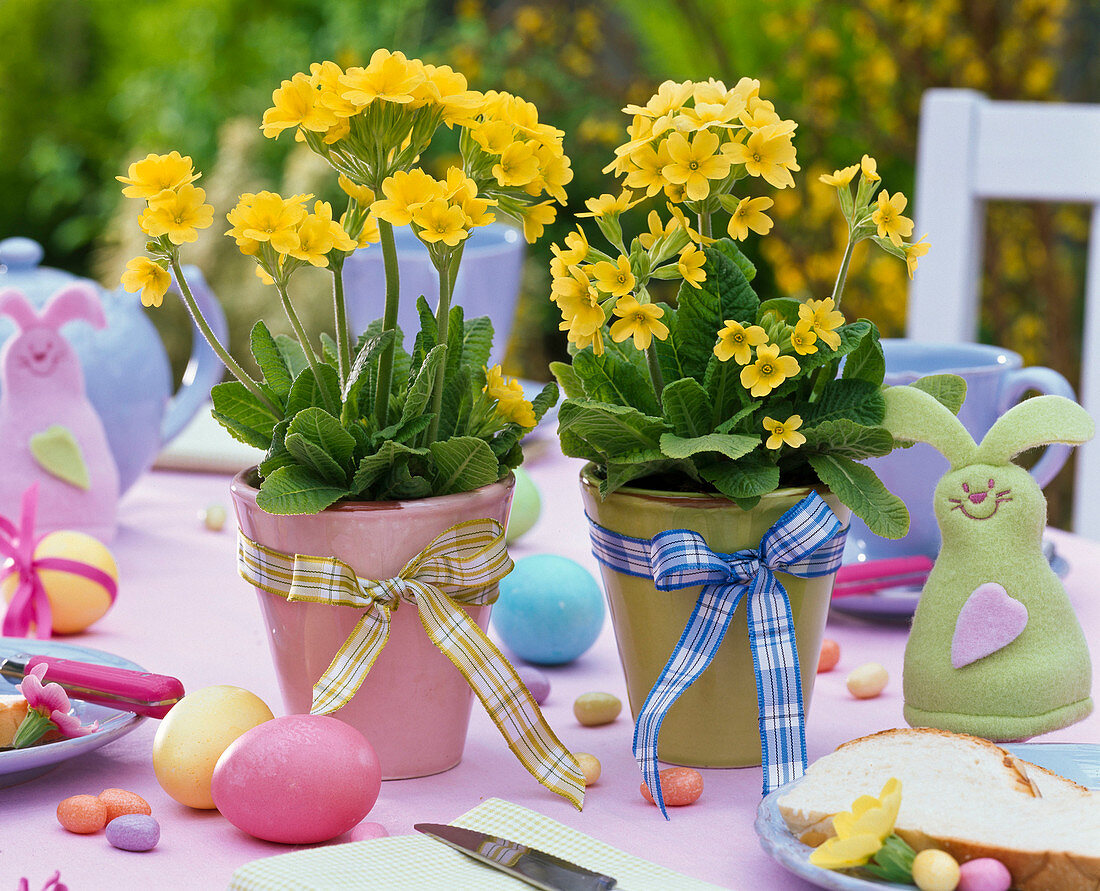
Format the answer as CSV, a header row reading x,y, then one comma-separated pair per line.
x,y
49,431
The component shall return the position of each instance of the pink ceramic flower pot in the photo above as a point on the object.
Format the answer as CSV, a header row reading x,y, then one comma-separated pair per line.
x,y
414,705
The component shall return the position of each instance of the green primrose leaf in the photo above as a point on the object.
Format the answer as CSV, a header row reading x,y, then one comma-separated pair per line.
x,y
860,488
297,490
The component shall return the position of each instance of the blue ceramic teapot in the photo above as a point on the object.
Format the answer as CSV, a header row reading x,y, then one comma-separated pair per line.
x,y
126,370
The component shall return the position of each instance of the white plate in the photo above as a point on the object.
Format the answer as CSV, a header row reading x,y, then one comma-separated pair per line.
x,y
20,765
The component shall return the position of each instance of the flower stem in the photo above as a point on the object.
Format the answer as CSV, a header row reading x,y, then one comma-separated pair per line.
x,y
655,372
340,315
448,272
704,224
307,348
221,352
842,275
389,323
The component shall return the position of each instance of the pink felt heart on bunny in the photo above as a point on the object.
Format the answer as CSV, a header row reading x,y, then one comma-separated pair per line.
x,y
988,621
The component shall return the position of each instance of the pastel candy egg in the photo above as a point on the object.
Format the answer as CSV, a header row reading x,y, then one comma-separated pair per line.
x,y
194,734
550,609
82,814
134,832
935,871
75,601
594,709
120,801
366,830
984,874
590,766
867,681
535,681
297,780
213,517
526,506
680,786
830,655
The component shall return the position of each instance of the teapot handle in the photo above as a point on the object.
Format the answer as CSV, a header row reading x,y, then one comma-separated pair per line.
x,y
204,368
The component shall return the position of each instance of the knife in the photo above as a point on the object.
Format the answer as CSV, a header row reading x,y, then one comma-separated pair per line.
x,y
139,692
527,864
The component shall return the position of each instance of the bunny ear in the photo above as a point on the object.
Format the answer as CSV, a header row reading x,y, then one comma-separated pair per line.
x,y
913,415
14,304
74,302
1034,422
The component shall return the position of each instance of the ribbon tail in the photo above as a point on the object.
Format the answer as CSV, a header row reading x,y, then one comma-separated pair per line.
x,y
693,653
17,619
350,665
778,682
501,692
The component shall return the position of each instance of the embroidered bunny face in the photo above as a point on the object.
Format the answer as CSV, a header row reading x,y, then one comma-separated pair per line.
x,y
40,351
987,495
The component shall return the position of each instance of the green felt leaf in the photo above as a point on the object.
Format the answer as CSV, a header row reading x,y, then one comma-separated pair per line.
x,y
308,389
687,408
272,364
463,463
568,380
614,431
611,379
867,362
242,414
367,356
296,490
293,355
849,439
420,390
728,444
948,389
851,398
858,487
749,477
58,453
702,312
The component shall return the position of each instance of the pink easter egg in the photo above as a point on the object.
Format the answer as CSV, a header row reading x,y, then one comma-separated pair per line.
x,y
297,780
984,874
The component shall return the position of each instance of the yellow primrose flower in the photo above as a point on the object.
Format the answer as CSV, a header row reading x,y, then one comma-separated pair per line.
x,y
368,232
690,265
767,153
768,371
578,247
869,166
670,97
594,340
803,338
437,220
555,172
608,205
840,178
735,341
861,831
178,214
404,191
153,174
682,222
508,393
355,191
821,315
152,279
297,103
888,217
389,76
657,230
695,164
318,234
784,432
325,76
645,169
494,136
749,214
581,312
447,89
615,278
640,320
913,251
267,217
535,218
517,165
573,285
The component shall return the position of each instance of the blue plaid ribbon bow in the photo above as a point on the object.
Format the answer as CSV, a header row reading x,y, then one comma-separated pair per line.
x,y
807,541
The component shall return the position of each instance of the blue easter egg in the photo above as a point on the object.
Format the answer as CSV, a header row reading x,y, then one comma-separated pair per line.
x,y
526,506
550,609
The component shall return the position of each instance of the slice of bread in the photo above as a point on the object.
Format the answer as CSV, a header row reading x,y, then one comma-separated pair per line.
x,y
13,709
963,795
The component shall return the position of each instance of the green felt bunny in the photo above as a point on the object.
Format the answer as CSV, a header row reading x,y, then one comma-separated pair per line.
x,y
995,649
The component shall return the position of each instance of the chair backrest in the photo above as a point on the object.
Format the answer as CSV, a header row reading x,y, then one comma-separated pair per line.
x,y
972,150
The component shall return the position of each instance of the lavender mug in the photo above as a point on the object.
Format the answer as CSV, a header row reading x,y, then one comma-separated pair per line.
x,y
995,381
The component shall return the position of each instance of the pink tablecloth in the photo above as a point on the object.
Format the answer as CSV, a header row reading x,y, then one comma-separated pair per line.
x,y
182,610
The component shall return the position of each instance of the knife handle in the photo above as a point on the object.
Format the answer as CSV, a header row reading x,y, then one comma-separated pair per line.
x,y
133,691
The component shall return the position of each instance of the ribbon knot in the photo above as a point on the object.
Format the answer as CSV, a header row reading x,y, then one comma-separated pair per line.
x,y
461,566
807,541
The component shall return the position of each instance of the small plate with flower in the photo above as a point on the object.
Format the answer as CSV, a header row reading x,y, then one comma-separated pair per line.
x,y
20,765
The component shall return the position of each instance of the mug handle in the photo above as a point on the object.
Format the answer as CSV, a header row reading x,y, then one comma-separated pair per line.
x,y
1046,381
204,368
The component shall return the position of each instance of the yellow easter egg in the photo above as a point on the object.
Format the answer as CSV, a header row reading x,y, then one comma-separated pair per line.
x,y
75,602
194,734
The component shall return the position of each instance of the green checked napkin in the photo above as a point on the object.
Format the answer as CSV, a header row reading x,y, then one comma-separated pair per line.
x,y
416,861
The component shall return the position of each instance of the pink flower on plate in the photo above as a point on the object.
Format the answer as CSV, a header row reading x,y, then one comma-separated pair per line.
x,y
48,708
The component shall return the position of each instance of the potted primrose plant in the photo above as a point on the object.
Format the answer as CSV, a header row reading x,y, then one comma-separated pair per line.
x,y
387,476
717,419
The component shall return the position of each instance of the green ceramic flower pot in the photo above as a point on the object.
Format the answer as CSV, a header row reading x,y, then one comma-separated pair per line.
x,y
715,722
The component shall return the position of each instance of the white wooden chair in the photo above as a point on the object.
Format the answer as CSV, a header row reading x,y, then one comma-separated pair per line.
x,y
971,150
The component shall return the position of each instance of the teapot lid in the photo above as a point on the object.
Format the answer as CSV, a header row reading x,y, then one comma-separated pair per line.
x,y
19,268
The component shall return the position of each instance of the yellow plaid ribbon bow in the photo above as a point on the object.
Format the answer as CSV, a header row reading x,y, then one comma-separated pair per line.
x,y
460,566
